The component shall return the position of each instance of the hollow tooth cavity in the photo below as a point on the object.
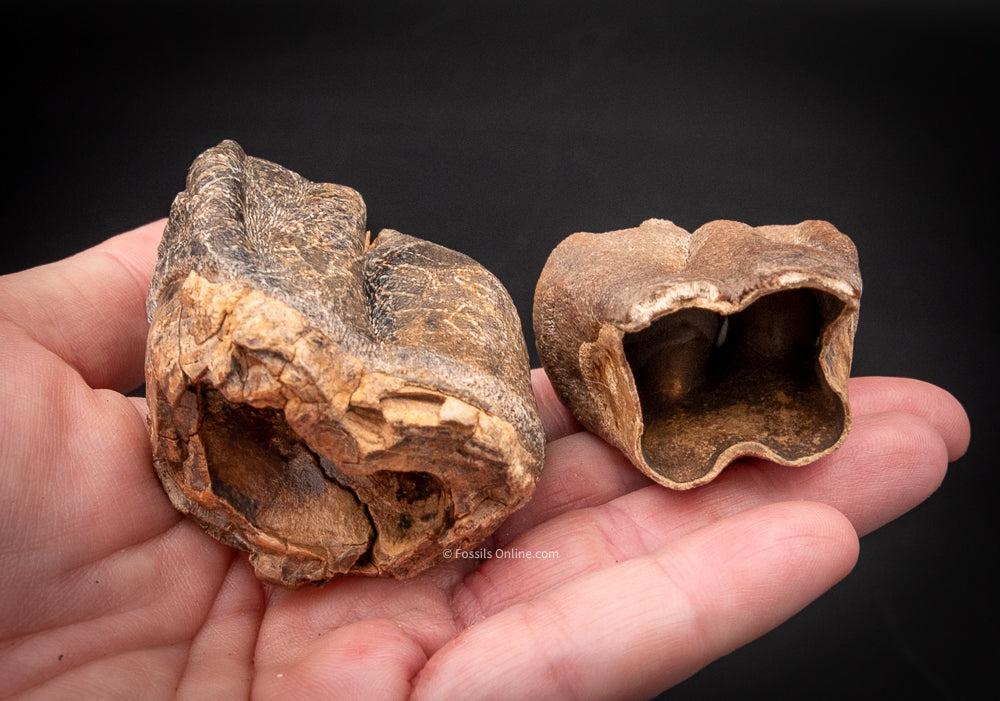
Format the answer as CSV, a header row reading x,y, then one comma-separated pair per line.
x,y
708,382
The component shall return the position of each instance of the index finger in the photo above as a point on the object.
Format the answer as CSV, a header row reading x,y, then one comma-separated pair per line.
x,y
556,418
90,308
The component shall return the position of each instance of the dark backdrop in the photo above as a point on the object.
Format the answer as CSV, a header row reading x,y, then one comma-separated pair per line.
x,y
499,128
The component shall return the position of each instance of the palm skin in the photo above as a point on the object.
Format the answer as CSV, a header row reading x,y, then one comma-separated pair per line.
x,y
109,592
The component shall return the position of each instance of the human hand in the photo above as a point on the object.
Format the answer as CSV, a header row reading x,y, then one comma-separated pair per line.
x,y
109,592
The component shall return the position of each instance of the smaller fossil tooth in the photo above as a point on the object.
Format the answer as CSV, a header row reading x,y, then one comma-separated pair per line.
x,y
689,350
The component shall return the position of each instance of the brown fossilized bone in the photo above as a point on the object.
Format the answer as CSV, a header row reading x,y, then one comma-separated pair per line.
x,y
687,351
330,404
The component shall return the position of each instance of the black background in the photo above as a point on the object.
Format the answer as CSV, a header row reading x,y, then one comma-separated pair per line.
x,y
499,128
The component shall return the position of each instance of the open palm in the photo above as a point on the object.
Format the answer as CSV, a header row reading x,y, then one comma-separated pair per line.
x,y
605,585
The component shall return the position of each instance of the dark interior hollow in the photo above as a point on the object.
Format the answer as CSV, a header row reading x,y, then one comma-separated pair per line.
x,y
707,381
263,470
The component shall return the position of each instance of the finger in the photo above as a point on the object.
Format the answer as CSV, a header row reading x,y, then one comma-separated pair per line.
x,y
223,649
871,395
141,407
556,419
367,659
580,470
650,622
90,309
77,465
891,463
297,619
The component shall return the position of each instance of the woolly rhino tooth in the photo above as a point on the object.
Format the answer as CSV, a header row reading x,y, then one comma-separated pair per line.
x,y
687,351
330,403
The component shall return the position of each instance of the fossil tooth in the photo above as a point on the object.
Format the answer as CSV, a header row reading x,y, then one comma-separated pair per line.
x,y
689,350
329,403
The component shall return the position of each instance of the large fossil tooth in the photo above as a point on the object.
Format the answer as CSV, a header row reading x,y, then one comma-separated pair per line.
x,y
687,351
330,404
